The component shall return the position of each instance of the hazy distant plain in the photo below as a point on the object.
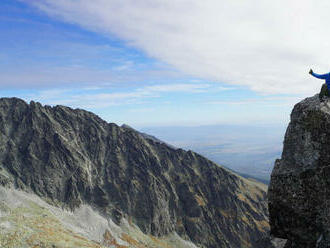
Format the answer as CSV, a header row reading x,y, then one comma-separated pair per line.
x,y
249,150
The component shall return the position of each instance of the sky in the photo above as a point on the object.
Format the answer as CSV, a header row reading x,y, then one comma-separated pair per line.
x,y
165,63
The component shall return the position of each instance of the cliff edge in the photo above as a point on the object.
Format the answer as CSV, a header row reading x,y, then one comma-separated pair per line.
x,y
299,191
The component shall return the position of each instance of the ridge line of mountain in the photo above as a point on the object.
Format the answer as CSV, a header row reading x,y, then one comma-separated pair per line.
x,y
73,157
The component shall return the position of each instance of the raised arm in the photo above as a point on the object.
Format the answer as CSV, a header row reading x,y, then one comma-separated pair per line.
x,y
320,76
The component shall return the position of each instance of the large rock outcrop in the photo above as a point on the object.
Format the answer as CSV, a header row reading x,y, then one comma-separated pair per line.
x,y
72,157
299,192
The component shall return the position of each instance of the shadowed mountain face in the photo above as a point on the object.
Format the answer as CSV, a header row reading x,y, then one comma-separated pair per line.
x,y
300,181
72,157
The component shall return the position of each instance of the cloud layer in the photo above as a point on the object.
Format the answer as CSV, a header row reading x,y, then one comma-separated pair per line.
x,y
95,98
265,45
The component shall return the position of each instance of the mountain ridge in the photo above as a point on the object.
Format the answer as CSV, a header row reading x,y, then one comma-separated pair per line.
x,y
73,157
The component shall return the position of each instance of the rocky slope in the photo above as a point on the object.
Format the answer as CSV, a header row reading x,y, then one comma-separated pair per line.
x,y
299,192
28,221
71,158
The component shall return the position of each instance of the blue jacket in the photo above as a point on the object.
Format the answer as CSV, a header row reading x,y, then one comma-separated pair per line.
x,y
323,76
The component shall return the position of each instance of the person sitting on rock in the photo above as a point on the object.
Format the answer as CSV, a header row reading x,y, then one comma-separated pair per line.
x,y
325,87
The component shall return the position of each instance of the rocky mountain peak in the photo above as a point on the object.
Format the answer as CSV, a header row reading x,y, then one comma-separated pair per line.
x,y
71,158
300,186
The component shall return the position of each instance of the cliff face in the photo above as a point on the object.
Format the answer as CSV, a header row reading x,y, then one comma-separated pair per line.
x,y
299,192
72,157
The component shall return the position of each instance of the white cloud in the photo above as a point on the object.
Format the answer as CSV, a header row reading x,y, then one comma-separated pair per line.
x,y
77,76
84,99
262,101
190,88
265,45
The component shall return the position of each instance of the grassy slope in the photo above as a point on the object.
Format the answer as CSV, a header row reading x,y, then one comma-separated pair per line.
x,y
28,221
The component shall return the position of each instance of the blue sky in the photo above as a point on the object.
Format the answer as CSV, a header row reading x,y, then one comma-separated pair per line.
x,y
151,65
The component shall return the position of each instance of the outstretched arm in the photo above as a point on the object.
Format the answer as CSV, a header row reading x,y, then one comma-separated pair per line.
x,y
320,76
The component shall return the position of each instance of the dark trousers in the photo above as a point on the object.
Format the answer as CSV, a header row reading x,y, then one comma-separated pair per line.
x,y
324,91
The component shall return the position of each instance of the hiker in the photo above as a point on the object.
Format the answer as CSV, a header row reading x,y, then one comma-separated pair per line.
x,y
325,87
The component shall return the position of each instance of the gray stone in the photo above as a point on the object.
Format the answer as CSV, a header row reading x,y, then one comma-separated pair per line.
x,y
299,191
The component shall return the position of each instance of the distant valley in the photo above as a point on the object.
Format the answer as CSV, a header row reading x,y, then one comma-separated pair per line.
x,y
248,150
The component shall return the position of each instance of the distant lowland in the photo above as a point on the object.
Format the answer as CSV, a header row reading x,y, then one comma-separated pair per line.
x,y
247,150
